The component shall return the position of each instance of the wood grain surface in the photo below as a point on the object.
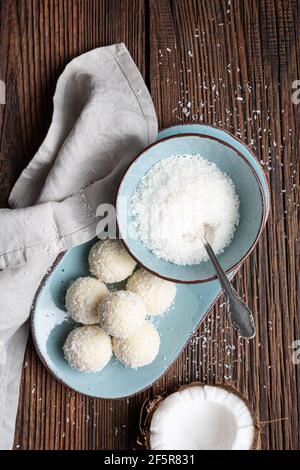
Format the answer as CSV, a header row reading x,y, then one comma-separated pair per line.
x,y
226,63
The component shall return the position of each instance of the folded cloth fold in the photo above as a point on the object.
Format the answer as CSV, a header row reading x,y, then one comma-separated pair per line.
x,y
103,116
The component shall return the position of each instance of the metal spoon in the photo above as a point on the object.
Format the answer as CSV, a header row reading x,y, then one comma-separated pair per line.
x,y
239,314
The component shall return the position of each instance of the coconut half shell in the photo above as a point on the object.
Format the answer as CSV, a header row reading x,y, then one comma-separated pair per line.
x,y
199,417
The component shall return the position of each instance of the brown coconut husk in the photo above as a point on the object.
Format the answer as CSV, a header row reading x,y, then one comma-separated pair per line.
x,y
150,406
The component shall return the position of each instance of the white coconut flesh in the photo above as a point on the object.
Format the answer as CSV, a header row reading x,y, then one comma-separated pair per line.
x,y
202,418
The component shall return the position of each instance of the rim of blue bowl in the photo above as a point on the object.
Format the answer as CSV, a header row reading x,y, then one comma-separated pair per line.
x,y
264,208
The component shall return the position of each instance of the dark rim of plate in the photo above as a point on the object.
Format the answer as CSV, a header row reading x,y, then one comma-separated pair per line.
x,y
56,264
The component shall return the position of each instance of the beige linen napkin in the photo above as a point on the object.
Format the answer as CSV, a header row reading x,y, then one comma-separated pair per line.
x,y
103,116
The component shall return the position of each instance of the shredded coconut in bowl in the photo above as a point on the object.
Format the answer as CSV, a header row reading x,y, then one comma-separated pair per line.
x,y
179,199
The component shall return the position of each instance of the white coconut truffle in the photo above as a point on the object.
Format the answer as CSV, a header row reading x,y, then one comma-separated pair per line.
x,y
140,349
88,348
110,262
82,299
158,294
122,314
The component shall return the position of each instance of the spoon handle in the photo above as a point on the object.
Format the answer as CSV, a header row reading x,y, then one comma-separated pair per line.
x,y
240,315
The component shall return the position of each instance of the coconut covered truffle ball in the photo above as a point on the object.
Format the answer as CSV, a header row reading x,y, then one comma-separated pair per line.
x,y
82,299
157,293
110,262
122,314
88,348
140,349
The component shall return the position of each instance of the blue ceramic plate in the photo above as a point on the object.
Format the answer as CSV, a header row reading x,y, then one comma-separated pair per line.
x,y
51,324
231,161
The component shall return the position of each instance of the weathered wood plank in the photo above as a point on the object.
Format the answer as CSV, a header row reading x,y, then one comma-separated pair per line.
x,y
231,64
37,39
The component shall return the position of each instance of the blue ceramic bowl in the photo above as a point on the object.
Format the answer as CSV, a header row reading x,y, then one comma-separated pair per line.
x,y
235,163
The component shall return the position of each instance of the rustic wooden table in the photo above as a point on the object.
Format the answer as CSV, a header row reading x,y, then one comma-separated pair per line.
x,y
226,63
